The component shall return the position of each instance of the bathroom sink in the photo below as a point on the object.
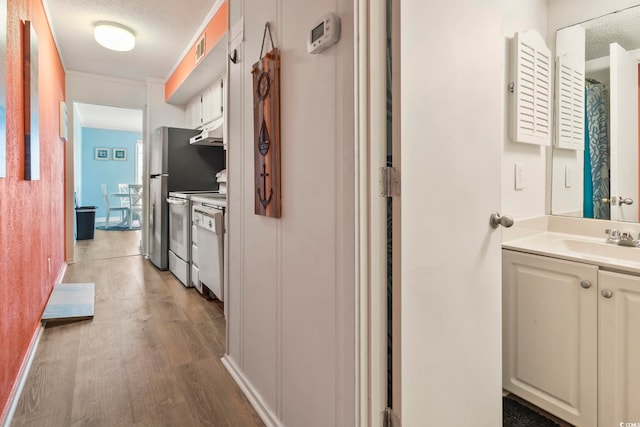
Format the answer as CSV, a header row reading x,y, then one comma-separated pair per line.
x,y
598,249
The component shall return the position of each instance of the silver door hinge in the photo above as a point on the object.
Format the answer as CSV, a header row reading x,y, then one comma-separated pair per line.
x,y
389,418
389,182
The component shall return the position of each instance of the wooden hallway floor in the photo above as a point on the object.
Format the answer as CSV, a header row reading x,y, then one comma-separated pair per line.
x,y
149,357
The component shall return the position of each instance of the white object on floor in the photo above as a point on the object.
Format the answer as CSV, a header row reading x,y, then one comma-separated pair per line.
x,y
70,301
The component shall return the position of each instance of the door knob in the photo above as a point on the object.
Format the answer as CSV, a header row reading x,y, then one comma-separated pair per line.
x,y
496,220
619,201
625,201
605,201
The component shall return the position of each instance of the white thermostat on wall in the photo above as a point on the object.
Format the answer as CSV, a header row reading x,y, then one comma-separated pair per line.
x,y
325,33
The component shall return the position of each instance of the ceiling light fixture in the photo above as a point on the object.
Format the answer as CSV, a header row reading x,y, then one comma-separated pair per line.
x,y
114,36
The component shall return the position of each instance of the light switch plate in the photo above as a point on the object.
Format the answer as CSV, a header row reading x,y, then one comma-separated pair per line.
x,y
518,172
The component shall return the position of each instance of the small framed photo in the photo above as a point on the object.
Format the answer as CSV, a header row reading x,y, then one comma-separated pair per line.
x,y
119,154
102,153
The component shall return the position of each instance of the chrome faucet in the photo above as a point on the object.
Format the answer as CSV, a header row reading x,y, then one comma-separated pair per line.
x,y
625,238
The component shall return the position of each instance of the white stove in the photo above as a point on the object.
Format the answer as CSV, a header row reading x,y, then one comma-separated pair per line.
x,y
180,231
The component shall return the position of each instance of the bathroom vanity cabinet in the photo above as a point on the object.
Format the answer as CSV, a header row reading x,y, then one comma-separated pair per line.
x,y
571,338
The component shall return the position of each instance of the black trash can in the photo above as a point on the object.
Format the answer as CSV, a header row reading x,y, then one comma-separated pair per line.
x,y
85,222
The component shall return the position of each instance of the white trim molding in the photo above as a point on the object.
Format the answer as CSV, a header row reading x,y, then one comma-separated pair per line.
x,y
265,413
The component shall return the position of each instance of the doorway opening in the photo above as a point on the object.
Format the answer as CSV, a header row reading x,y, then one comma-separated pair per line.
x,y
108,170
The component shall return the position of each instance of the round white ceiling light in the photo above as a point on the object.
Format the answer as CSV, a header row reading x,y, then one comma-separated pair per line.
x,y
114,36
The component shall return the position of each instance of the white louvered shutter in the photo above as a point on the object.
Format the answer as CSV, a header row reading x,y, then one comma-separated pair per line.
x,y
532,89
570,106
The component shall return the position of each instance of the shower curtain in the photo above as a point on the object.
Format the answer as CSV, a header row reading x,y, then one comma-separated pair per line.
x,y
596,152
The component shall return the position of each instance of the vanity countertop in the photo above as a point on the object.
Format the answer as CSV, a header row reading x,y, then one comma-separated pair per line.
x,y
580,248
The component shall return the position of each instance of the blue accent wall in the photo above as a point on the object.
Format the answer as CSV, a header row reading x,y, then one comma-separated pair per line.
x,y
111,172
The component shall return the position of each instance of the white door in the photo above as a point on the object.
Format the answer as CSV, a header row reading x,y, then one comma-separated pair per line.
x,y
624,134
451,139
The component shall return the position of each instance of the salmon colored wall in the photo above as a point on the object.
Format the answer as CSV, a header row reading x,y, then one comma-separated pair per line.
x,y
31,212
214,32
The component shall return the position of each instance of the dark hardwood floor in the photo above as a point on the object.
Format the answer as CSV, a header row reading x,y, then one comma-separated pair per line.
x,y
149,357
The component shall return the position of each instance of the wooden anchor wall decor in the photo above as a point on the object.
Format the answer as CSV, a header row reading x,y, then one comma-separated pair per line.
x,y
266,130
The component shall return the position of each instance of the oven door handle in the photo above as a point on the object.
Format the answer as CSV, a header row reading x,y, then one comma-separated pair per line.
x,y
180,202
210,213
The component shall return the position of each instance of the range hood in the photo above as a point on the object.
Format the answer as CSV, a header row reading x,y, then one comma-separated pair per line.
x,y
211,134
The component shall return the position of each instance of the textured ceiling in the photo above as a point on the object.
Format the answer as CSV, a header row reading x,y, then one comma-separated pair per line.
x,y
163,29
622,27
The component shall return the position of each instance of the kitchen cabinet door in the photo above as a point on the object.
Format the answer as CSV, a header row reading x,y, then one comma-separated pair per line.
x,y
618,349
212,103
194,113
550,334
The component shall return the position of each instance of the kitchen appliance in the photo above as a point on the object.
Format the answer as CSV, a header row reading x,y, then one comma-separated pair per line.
x,y
221,179
212,134
175,165
180,232
207,262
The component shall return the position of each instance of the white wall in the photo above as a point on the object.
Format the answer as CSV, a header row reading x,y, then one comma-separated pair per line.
x,y
291,308
529,202
159,113
77,155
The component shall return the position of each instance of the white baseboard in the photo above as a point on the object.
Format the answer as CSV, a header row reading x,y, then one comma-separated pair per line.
x,y
60,275
267,416
14,396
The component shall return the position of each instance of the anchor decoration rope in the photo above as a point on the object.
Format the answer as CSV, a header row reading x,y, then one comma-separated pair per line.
x,y
266,129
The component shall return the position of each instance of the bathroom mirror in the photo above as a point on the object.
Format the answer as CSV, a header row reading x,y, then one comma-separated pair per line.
x,y
602,180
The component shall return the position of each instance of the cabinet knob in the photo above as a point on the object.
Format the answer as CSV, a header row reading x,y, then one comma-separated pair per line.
x,y
607,293
585,284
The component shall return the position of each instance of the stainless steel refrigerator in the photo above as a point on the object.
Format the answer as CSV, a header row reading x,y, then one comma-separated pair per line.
x,y
176,165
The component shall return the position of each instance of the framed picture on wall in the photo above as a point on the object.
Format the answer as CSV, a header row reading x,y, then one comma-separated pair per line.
x,y
101,153
119,154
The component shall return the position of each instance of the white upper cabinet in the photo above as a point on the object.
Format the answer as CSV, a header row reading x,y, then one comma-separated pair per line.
x,y
532,89
206,107
194,113
212,103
